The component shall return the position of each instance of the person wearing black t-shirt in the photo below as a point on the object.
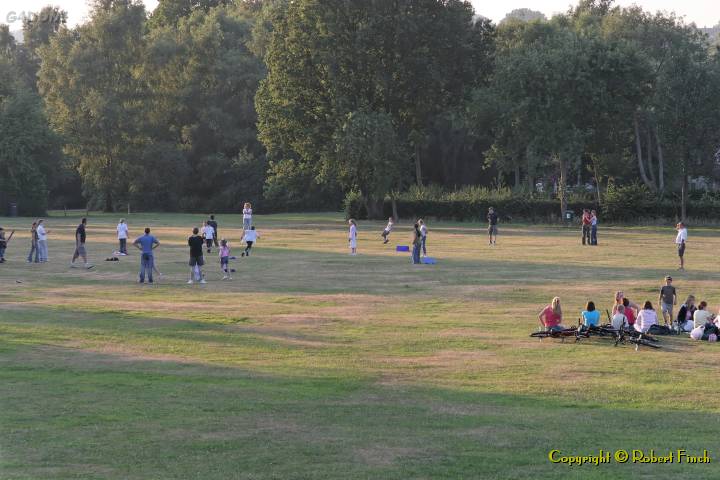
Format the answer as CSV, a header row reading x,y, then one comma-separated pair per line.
x,y
80,251
196,255
492,226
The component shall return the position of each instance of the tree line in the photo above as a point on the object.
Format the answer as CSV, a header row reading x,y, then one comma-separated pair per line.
x,y
203,104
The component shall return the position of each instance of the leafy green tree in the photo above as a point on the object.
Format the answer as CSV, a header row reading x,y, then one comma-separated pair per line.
x,y
29,152
203,76
90,82
411,60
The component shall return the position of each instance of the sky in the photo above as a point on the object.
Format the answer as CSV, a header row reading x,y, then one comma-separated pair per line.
x,y
702,12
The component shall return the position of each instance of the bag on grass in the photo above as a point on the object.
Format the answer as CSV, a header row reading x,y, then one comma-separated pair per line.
x,y
697,332
659,330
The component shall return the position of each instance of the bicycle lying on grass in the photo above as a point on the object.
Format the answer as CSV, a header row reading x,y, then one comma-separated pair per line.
x,y
625,334
561,334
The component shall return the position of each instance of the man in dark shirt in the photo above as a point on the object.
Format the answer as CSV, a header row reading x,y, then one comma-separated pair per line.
x,y
196,256
214,225
80,237
492,226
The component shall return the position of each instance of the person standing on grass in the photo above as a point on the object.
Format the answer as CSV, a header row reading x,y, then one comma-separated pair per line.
x,y
423,232
646,318
680,241
593,227
225,259
122,235
4,243
195,242
214,225
550,317
417,244
208,233
33,244
386,232
668,298
247,216
249,237
80,251
42,241
492,218
146,244
352,236
586,221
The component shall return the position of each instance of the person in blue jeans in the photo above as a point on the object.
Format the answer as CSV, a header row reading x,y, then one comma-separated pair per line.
x,y
417,244
593,227
146,244
590,316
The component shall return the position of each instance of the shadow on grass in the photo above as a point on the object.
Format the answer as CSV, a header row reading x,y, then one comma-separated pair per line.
x,y
68,414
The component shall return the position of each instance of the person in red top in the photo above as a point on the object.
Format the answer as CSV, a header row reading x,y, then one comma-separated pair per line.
x,y
551,316
586,224
630,311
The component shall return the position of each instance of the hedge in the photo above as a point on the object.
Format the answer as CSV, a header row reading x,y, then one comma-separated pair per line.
x,y
619,207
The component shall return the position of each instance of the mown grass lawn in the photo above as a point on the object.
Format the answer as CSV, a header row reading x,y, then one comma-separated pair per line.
x,y
315,364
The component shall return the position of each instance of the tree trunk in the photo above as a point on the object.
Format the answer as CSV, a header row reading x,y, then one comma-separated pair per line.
x,y
375,209
517,176
649,154
596,175
418,167
683,197
394,210
108,201
562,194
579,173
638,147
661,163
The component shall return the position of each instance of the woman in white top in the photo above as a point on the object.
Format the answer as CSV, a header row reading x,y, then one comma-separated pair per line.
x,y
646,318
352,237
247,216
702,315
42,242
122,233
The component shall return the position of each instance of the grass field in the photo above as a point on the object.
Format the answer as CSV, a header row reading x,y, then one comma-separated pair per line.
x,y
312,364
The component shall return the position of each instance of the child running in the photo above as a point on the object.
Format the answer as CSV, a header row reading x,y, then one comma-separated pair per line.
x,y
250,237
224,259
680,241
386,233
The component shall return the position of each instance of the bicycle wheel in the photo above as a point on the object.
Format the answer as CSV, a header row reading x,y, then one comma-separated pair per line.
x,y
541,335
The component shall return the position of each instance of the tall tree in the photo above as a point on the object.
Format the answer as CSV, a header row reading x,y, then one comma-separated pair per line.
x,y
89,80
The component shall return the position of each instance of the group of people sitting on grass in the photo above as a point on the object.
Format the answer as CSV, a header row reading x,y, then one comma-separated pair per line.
x,y
692,318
